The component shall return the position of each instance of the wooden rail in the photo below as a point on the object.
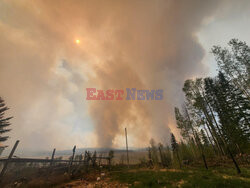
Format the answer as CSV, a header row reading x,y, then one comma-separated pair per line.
x,y
31,160
51,161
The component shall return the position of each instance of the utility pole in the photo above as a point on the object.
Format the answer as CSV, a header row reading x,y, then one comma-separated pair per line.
x,y
127,146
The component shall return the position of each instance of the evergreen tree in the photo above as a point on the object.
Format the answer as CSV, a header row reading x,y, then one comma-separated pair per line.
x,y
162,154
4,123
231,108
197,138
185,152
182,124
219,105
204,138
154,153
174,146
200,107
235,64
167,156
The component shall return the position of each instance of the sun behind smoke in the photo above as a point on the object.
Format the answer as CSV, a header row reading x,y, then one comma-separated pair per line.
x,y
77,41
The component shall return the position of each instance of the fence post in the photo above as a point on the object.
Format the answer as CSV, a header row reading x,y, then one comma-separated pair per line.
x,y
52,157
100,159
71,161
127,146
9,158
80,159
109,162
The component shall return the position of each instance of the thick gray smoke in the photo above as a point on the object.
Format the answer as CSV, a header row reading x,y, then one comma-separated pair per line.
x,y
123,44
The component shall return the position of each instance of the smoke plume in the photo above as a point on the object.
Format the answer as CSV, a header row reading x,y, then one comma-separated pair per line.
x,y
123,44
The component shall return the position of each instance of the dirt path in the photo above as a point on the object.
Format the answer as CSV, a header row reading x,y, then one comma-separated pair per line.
x,y
104,183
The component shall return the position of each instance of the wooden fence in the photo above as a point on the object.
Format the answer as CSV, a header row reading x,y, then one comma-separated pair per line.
x,y
87,159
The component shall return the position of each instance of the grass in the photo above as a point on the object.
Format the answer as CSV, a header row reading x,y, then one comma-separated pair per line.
x,y
138,176
195,177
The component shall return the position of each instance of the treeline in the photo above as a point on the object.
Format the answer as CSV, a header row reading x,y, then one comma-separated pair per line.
x,y
216,111
214,119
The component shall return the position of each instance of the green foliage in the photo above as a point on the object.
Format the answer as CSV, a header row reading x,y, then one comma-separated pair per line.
x,y
186,152
182,124
4,122
235,64
204,138
165,154
220,105
174,144
175,148
111,154
154,151
231,107
220,177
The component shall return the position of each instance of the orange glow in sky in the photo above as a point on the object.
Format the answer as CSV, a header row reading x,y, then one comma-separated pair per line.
x,y
77,41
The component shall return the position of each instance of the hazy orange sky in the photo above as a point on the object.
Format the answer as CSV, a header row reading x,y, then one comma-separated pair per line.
x,y
44,71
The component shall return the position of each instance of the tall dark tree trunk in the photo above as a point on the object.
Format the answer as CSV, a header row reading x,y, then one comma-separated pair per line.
x,y
162,160
201,150
215,138
178,158
234,161
215,151
204,160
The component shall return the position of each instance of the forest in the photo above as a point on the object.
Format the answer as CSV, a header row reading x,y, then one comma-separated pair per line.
x,y
214,118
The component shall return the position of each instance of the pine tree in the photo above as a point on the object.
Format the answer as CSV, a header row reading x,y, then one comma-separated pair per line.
x,y
220,92
4,122
174,146
204,138
154,153
234,63
219,105
182,124
199,105
185,152
162,155
231,108
197,138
